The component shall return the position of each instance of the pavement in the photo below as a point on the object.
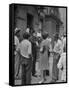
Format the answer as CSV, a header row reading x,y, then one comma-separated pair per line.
x,y
36,80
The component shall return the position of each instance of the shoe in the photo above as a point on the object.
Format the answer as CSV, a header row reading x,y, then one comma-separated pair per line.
x,y
42,81
52,81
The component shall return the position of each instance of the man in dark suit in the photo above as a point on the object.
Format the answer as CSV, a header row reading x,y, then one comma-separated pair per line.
x,y
33,41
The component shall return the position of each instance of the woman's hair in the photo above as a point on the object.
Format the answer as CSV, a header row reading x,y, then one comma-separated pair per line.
x,y
45,35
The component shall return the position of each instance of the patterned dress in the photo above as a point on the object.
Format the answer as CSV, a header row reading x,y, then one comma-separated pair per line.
x,y
44,59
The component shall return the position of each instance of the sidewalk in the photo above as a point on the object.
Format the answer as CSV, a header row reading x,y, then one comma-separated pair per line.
x,y
36,80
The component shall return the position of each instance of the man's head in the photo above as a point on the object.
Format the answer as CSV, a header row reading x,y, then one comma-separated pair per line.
x,y
26,35
17,32
56,36
45,35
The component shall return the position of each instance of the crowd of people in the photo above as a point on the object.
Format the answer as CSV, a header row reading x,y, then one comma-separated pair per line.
x,y
39,47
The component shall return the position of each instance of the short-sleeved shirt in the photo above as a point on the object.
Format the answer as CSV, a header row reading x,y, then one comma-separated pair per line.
x,y
58,47
25,48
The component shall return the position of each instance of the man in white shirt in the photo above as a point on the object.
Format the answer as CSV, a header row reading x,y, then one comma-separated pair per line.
x,y
16,39
26,60
34,43
16,43
57,51
25,48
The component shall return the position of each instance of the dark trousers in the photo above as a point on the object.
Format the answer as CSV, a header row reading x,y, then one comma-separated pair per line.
x,y
55,70
34,65
26,70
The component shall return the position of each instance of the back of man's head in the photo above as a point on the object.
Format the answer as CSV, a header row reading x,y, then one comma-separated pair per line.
x,y
26,35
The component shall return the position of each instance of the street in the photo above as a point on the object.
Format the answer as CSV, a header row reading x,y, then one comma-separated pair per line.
x,y
36,80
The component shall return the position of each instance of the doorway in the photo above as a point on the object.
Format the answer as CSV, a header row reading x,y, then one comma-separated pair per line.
x,y
29,20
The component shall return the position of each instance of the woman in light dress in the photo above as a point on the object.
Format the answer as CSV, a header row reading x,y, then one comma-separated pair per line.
x,y
44,59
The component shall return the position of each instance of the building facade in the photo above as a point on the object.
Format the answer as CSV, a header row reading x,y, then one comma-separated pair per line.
x,y
46,19
51,20
38,17
26,16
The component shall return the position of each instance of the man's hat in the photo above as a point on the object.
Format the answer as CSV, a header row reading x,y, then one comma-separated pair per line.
x,y
56,35
17,30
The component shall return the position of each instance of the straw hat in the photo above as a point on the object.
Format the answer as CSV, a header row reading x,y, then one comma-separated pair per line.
x,y
17,30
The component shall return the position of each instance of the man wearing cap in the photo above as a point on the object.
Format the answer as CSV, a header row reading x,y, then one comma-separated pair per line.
x,y
34,43
57,51
16,43
25,59
16,38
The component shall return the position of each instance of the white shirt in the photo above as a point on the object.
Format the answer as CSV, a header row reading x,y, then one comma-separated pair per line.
x,y
25,48
16,42
58,47
38,34
27,30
